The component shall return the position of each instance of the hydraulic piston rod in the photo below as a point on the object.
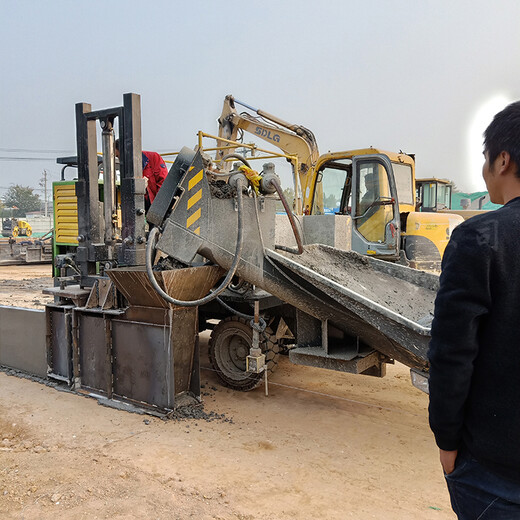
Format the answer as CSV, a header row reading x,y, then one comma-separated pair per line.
x,y
109,185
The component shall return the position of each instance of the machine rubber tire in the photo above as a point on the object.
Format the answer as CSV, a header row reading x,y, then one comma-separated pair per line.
x,y
16,231
228,347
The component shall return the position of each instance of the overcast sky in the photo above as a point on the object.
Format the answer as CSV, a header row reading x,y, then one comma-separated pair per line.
x,y
424,77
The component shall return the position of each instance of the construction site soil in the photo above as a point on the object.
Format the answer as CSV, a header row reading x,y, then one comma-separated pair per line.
x,y
323,445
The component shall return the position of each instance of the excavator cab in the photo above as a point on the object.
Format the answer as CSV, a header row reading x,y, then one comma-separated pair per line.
x,y
433,194
364,188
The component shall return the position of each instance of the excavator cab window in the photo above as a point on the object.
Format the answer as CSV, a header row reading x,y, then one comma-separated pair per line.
x,y
333,187
404,182
428,196
443,196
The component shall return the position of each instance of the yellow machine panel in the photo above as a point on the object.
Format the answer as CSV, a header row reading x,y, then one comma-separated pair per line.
x,y
427,235
65,213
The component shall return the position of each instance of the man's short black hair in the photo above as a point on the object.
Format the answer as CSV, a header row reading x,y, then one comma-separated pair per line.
x,y
116,144
503,135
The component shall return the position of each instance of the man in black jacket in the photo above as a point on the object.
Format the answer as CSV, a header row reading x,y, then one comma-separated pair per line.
x,y
475,346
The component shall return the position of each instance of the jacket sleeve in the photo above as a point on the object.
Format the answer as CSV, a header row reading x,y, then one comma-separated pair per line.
x,y
160,171
463,300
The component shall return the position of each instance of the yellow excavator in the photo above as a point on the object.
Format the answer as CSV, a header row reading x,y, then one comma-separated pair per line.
x,y
374,187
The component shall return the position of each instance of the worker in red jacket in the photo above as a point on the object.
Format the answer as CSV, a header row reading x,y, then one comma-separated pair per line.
x,y
154,172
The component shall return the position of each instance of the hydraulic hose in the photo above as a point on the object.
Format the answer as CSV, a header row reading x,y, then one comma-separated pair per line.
x,y
261,323
290,215
230,156
150,246
233,156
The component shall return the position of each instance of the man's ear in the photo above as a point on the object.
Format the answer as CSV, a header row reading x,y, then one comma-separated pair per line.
x,y
503,162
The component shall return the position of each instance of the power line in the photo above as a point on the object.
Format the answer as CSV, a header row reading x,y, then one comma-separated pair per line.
x,y
31,150
27,159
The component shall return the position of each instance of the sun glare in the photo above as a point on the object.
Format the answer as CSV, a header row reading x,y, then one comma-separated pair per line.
x,y
484,114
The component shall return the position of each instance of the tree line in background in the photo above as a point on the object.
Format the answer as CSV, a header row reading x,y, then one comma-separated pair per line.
x,y
19,200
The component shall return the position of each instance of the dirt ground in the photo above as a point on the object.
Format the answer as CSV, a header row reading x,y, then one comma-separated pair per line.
x,y
21,285
323,445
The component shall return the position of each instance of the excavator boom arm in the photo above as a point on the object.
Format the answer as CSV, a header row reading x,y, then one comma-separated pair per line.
x,y
292,139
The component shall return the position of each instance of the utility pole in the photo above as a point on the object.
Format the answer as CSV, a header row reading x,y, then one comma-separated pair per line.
x,y
44,190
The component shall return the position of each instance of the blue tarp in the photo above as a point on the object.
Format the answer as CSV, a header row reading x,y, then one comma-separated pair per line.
x,y
456,197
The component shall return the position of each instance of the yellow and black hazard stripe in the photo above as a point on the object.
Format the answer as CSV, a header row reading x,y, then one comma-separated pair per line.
x,y
194,208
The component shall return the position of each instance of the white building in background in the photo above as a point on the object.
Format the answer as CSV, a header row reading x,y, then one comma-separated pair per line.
x,y
39,222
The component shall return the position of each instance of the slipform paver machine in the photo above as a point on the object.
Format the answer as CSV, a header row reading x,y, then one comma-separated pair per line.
x,y
124,325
